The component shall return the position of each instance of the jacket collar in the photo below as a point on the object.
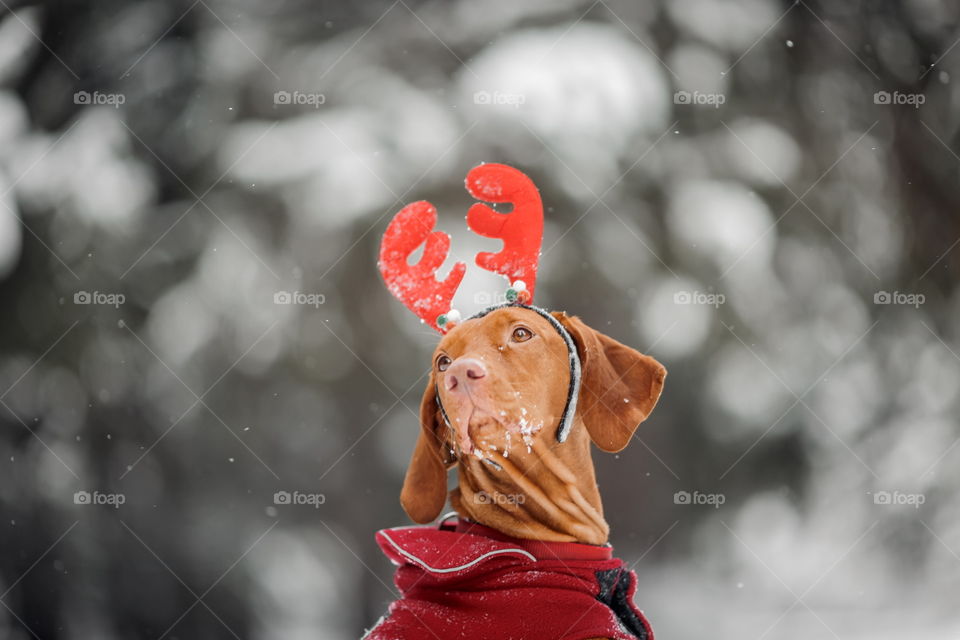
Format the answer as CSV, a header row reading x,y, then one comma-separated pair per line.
x,y
461,546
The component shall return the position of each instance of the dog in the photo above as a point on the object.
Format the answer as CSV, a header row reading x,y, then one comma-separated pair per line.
x,y
515,397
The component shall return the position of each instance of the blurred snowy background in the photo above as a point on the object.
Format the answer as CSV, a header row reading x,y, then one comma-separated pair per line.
x,y
763,195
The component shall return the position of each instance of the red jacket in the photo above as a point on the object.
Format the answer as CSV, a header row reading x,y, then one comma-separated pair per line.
x,y
470,581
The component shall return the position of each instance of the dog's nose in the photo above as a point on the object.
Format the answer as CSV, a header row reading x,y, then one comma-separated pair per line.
x,y
464,369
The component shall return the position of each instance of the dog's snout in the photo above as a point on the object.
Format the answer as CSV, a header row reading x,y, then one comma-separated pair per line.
x,y
464,369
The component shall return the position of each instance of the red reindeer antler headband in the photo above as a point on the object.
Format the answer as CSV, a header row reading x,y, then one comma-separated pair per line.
x,y
521,231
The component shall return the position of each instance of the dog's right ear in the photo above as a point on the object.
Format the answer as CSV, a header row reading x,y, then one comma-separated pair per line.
x,y
425,485
619,386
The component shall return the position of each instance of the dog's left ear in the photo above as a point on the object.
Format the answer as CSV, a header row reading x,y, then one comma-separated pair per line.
x,y
425,485
619,385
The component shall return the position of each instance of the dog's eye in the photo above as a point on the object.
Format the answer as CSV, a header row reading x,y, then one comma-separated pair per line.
x,y
521,334
443,362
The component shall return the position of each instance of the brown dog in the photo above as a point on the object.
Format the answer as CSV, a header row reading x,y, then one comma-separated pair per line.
x,y
503,382
516,394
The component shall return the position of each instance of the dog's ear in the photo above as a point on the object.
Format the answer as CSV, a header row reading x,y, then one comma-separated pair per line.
x,y
619,385
425,485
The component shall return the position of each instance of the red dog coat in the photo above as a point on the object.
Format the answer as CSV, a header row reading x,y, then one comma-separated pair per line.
x,y
470,581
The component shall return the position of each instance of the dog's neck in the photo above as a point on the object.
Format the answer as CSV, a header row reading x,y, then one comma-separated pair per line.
x,y
547,492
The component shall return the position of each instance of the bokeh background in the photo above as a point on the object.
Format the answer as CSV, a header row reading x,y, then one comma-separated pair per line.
x,y
763,195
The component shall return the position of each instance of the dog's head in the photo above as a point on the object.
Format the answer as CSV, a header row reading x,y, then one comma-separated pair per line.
x,y
503,380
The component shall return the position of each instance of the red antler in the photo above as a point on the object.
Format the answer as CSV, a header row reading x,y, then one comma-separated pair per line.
x,y
521,230
416,285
